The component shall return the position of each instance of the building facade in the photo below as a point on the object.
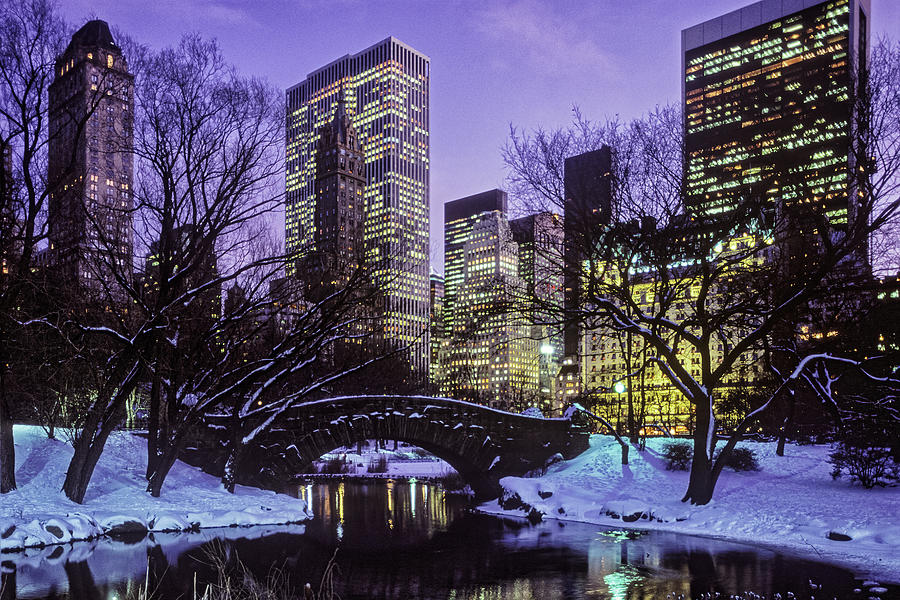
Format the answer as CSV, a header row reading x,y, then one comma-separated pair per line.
x,y
338,217
618,368
436,295
588,205
540,241
492,357
768,94
386,91
90,164
459,217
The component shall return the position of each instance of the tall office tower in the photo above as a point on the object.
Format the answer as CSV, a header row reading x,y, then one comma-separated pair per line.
x,y
459,217
386,90
540,240
436,283
492,356
768,103
588,205
90,160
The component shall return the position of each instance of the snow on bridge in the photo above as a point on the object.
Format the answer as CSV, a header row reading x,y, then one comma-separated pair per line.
x,y
483,444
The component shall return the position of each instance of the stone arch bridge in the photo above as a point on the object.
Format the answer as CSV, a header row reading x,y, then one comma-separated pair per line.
x,y
483,444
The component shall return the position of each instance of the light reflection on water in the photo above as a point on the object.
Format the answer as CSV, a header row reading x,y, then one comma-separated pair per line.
x,y
407,539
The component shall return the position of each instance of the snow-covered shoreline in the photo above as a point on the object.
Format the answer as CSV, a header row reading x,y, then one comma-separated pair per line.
x,y
791,504
38,514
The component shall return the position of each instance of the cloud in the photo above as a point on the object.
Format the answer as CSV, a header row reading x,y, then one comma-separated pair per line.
x,y
551,40
189,14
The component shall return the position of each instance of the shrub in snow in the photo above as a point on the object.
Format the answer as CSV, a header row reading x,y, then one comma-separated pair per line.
x,y
868,466
533,411
677,456
742,459
378,464
864,448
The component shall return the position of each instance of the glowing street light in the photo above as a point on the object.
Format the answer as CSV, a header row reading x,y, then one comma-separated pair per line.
x,y
619,387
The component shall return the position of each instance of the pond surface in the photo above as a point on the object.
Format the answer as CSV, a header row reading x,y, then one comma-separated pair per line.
x,y
405,539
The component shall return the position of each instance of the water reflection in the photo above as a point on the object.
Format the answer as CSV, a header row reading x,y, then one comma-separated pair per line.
x,y
406,539
385,513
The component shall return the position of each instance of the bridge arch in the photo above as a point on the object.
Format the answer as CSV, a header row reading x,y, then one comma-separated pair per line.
x,y
481,443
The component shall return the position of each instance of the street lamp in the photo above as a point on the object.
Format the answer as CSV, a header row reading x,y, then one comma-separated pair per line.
x,y
619,388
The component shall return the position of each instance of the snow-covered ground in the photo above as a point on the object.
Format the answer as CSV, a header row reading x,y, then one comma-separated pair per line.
x,y
38,513
791,503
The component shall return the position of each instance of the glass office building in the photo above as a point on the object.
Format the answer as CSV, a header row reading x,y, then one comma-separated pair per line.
x,y
386,91
767,94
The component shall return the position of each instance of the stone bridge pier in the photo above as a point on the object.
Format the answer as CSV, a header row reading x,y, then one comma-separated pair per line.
x,y
481,443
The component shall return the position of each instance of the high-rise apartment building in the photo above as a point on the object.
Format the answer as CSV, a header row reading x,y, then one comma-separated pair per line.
x,y
768,101
386,91
90,160
540,240
436,283
492,357
459,218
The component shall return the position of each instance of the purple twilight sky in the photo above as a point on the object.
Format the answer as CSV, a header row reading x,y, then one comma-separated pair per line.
x,y
524,62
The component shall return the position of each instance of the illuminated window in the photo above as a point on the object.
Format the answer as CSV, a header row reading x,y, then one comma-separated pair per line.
x,y
109,61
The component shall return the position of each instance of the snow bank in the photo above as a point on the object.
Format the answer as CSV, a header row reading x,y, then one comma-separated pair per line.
x,y
39,515
791,503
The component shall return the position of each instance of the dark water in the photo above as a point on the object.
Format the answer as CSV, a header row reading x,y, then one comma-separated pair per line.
x,y
398,539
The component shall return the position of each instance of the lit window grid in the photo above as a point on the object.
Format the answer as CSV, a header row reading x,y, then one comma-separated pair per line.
x,y
720,94
386,89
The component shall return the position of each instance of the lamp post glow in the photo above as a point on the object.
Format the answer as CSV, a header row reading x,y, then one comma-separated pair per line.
x,y
619,388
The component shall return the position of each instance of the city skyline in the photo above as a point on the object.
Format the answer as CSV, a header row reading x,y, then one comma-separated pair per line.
x,y
493,64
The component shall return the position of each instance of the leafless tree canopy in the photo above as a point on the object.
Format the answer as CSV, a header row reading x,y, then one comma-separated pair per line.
x,y
698,296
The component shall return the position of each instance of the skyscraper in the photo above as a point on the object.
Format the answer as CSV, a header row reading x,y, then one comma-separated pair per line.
x,y
437,326
540,240
386,91
338,217
459,217
768,100
493,358
588,204
90,160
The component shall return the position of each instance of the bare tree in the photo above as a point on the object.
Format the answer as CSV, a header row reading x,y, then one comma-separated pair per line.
x,y
31,37
701,295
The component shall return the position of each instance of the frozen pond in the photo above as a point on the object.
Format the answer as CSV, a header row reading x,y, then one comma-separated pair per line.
x,y
401,539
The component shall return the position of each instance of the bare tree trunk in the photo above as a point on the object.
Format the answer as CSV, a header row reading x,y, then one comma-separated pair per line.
x,y
163,465
153,426
8,588
7,445
81,468
235,446
100,422
632,422
703,479
786,424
